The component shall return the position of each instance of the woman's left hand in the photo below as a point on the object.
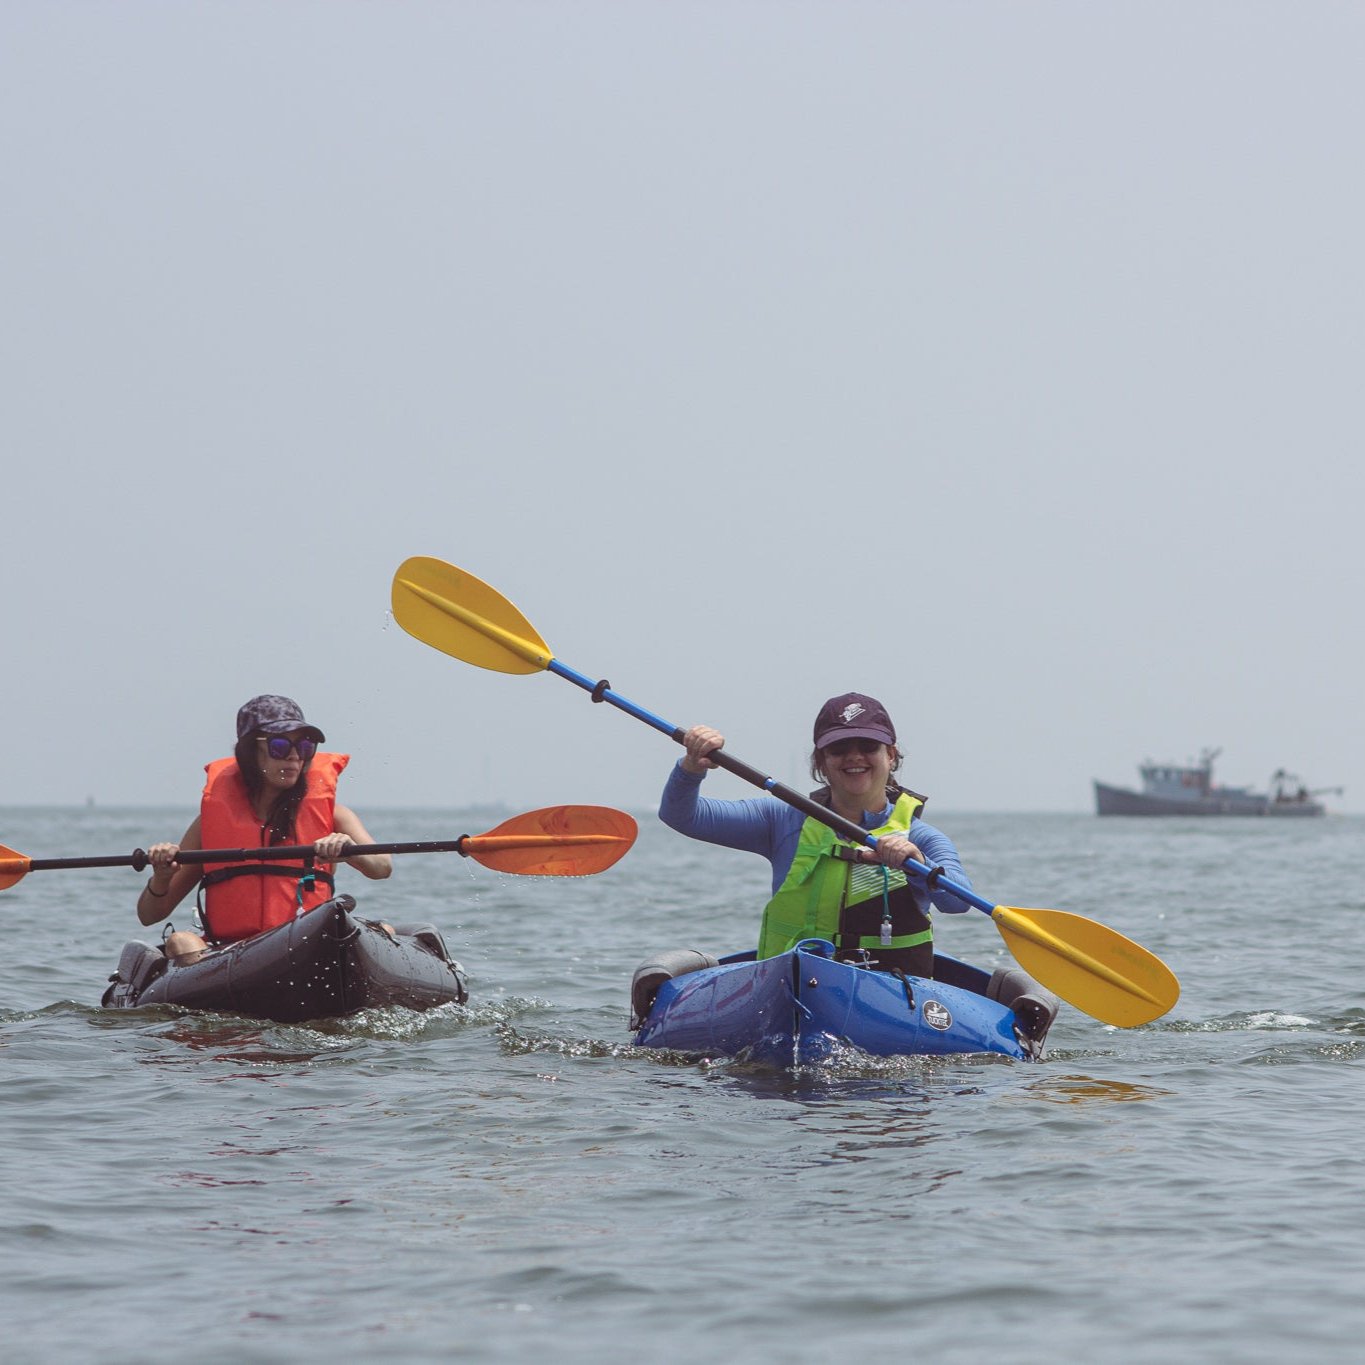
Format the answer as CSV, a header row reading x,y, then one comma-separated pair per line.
x,y
332,847
894,850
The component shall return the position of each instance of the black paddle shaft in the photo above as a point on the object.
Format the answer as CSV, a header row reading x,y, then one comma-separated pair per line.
x,y
138,860
845,829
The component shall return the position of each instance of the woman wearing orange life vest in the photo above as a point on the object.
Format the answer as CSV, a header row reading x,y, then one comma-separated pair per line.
x,y
277,788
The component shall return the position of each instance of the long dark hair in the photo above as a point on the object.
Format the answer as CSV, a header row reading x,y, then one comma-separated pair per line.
x,y
280,817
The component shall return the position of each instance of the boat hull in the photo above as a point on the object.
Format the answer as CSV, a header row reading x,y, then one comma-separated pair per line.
x,y
323,965
1292,810
796,1008
1124,801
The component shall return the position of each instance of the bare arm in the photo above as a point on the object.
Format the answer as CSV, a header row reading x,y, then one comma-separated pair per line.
x,y
169,883
347,829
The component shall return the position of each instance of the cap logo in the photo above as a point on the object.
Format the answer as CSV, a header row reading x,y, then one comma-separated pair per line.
x,y
851,711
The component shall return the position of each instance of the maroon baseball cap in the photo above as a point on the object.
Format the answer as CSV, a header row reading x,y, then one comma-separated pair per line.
x,y
853,716
272,715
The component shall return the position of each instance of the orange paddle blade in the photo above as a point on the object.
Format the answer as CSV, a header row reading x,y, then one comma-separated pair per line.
x,y
13,867
558,841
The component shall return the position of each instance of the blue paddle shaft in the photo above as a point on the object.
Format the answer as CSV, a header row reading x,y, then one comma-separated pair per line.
x,y
846,829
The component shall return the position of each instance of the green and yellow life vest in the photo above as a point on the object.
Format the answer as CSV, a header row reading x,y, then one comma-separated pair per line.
x,y
829,895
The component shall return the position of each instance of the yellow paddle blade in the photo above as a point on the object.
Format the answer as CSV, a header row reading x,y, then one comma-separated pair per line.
x,y
463,616
13,867
1088,964
559,841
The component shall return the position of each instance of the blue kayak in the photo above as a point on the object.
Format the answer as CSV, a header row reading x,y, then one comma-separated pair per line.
x,y
796,1008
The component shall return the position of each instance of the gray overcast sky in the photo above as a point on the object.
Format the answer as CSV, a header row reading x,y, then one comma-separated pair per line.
x,y
1002,360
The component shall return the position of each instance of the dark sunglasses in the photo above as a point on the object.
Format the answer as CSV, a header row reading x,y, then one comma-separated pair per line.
x,y
840,747
281,746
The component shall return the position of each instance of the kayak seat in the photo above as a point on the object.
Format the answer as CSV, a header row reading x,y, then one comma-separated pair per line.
x,y
138,965
1034,1007
960,974
651,974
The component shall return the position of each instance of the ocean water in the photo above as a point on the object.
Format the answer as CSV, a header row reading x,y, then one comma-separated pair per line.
x,y
511,1180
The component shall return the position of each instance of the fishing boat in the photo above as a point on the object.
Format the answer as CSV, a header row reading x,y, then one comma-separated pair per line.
x,y
796,1008
1174,789
324,964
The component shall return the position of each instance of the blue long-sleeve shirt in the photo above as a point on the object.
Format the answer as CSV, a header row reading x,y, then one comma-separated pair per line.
x,y
771,828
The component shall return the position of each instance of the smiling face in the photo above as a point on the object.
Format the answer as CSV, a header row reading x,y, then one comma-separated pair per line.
x,y
857,771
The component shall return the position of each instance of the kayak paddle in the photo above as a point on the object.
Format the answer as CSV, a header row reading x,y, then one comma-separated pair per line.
x,y
1092,967
558,841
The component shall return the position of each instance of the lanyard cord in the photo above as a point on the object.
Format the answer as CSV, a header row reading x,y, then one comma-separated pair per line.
x,y
307,880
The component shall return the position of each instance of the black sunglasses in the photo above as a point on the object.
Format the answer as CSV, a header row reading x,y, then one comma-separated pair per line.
x,y
281,746
840,747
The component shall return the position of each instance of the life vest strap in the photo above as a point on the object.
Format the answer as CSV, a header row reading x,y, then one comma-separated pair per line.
x,y
847,853
873,941
224,874
307,875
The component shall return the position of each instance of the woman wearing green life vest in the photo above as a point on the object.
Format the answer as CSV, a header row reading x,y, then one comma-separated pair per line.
x,y
823,886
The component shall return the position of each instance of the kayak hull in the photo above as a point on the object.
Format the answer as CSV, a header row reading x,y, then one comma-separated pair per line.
x,y
325,964
796,1008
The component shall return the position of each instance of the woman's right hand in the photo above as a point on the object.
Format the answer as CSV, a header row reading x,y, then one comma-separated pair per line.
x,y
700,741
161,859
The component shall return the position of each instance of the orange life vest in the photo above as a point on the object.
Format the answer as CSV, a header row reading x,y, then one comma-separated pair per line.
x,y
245,899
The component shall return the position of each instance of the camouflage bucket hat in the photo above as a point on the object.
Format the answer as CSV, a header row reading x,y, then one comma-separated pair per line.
x,y
272,715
